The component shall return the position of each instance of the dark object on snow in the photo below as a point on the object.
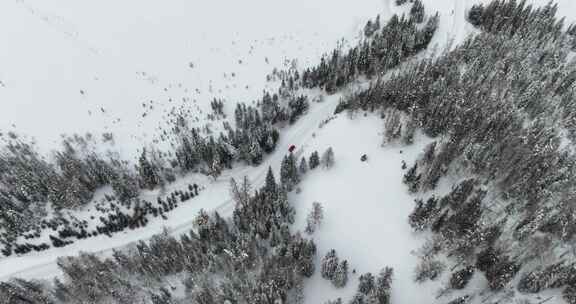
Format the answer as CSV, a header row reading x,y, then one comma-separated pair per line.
x,y
364,158
292,148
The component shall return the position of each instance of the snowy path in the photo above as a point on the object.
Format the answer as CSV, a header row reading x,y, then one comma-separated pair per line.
x,y
215,198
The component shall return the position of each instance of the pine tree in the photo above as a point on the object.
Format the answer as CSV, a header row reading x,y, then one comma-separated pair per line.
x,y
303,168
314,218
270,186
384,285
148,172
314,160
428,270
329,265
417,11
328,158
460,278
289,172
341,275
475,14
366,283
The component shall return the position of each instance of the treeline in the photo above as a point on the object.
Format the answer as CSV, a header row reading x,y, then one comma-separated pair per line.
x,y
501,106
211,264
110,217
516,18
251,258
29,181
381,50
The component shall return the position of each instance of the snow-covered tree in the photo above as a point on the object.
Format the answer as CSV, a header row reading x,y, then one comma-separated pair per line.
x,y
314,160
329,265
328,158
341,275
314,218
303,168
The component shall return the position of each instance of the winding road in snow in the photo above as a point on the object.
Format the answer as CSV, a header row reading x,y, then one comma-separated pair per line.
x,y
43,264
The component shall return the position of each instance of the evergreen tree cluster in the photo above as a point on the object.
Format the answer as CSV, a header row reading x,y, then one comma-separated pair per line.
x,y
459,279
114,218
28,181
516,18
502,102
334,270
248,142
556,275
253,258
428,269
374,290
314,218
382,50
217,106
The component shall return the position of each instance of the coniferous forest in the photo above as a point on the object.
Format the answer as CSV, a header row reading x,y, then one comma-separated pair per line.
x,y
492,189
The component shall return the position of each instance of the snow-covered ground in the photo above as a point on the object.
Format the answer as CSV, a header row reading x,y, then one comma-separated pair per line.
x,y
366,208
88,66
107,66
215,197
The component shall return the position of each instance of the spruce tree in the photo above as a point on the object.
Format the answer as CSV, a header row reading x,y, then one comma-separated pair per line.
x,y
341,275
303,168
417,11
270,185
329,265
328,158
289,172
314,160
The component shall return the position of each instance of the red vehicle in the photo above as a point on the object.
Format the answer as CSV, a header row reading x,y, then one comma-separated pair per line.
x,y
291,148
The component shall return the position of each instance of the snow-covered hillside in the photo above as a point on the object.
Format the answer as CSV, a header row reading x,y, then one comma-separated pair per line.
x,y
84,66
103,66
121,67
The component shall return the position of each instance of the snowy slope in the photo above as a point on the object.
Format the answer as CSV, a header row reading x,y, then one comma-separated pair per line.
x,y
77,66
365,209
215,197
83,66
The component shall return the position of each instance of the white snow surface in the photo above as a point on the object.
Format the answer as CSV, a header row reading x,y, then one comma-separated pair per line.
x,y
77,66
366,209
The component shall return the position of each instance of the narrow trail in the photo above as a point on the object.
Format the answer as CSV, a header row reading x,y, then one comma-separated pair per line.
x,y
43,265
